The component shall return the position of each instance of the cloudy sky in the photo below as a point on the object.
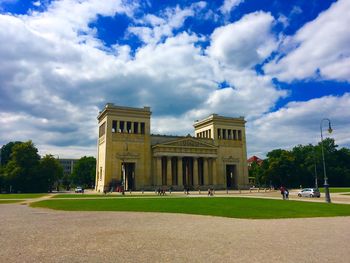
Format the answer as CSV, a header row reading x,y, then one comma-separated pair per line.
x,y
284,65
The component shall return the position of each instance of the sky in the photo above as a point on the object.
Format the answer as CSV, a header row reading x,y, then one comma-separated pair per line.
x,y
283,65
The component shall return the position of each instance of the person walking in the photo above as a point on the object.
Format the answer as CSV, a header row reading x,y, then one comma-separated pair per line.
x,y
283,192
286,193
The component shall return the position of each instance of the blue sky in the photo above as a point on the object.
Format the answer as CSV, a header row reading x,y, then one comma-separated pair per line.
x,y
284,65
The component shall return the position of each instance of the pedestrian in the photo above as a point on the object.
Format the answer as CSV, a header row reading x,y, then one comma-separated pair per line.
x,y
286,193
282,189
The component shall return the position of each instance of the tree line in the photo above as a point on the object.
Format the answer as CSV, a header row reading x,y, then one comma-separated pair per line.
x,y
303,166
24,170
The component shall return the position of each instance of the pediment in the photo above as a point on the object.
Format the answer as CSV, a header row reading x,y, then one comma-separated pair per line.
x,y
188,142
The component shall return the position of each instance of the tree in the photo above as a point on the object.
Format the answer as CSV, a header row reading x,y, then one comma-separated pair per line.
x,y
84,172
256,171
51,171
304,162
5,152
21,171
297,167
281,169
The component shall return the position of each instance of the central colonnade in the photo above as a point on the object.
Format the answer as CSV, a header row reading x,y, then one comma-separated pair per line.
x,y
184,171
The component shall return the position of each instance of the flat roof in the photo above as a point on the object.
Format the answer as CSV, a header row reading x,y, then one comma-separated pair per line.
x,y
110,107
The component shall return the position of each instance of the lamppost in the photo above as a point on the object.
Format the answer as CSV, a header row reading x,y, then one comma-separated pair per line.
x,y
326,186
316,183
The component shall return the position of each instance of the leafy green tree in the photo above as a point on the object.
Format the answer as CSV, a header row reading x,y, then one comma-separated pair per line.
x,y
281,169
5,152
297,167
66,181
256,171
51,171
84,172
21,171
304,162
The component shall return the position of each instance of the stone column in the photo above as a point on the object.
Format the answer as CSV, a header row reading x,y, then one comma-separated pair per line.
x,y
205,171
195,171
179,171
214,172
168,171
116,126
159,171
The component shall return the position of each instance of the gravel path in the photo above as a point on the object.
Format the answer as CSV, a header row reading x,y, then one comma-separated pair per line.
x,y
42,235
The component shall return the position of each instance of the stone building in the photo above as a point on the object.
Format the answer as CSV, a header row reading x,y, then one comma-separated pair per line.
x,y
128,154
68,165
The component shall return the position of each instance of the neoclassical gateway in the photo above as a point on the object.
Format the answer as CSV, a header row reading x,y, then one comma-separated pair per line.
x,y
129,154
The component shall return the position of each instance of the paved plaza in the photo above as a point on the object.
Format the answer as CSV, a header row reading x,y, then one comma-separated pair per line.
x,y
43,235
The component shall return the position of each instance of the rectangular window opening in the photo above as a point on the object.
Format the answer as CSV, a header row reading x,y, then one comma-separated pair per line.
x,y
121,128
142,128
136,127
114,126
128,127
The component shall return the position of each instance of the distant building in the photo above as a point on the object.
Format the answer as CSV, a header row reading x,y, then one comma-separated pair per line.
x,y
254,159
68,165
127,153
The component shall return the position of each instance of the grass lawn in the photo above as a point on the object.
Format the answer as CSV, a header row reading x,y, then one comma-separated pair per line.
x,y
8,201
336,189
20,196
226,207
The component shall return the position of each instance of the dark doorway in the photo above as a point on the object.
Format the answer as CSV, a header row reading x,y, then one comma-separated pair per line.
x,y
230,176
129,176
187,171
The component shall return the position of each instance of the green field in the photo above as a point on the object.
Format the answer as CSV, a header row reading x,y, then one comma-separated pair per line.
x,y
336,189
20,196
215,206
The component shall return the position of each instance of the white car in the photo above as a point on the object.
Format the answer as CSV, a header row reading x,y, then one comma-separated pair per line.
x,y
309,192
79,189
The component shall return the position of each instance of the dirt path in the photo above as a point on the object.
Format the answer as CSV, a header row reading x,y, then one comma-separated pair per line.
x,y
41,235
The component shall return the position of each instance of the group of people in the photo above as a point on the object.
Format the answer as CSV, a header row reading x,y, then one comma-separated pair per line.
x,y
284,192
160,191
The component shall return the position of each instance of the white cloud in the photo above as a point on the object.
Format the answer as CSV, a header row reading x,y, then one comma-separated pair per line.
x,y
244,43
228,5
57,77
320,49
37,3
299,123
55,74
152,29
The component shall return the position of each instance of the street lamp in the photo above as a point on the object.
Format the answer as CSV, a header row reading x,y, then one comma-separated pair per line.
x,y
326,186
316,183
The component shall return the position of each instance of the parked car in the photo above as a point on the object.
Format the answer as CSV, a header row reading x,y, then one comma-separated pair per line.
x,y
79,189
309,192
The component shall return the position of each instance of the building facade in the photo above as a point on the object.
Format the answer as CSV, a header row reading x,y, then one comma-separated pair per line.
x,y
68,165
129,155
